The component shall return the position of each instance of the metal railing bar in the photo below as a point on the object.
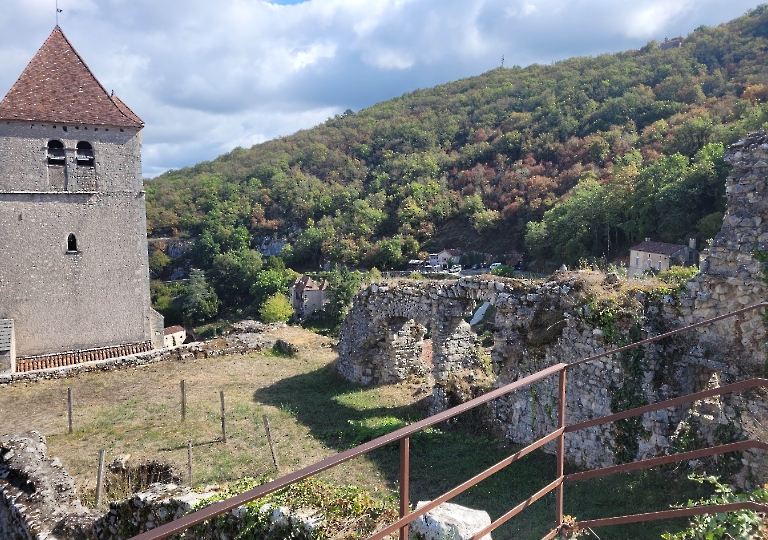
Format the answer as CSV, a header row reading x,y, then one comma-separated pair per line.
x,y
671,333
551,534
517,509
735,387
663,460
221,507
679,512
461,488
218,508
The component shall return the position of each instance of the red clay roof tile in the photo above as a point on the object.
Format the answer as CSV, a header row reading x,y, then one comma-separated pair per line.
x,y
57,86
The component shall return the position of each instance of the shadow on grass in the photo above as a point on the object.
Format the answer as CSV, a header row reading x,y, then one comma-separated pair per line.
x,y
341,415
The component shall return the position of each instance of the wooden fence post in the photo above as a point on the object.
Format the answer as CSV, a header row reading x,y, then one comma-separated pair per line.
x,y
271,444
69,407
189,462
223,425
100,476
183,400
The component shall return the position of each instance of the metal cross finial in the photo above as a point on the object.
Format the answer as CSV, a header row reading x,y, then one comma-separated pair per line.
x,y
57,12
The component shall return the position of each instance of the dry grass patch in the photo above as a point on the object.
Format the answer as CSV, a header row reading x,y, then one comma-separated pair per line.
x,y
137,411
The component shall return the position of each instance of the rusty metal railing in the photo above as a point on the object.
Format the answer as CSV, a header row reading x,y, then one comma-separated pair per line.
x,y
403,436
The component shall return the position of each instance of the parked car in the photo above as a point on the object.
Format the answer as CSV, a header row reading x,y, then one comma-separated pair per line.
x,y
495,265
455,269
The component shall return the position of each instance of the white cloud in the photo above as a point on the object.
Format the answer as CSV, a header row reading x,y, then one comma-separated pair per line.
x,y
389,59
206,77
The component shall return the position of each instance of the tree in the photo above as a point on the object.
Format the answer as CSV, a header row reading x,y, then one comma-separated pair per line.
x,y
158,261
234,273
200,302
276,308
271,282
343,285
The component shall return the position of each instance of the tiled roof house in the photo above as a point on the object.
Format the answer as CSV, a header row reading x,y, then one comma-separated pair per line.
x,y
658,256
307,296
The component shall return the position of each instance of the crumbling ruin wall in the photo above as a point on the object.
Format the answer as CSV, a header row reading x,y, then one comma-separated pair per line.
x,y
579,314
37,496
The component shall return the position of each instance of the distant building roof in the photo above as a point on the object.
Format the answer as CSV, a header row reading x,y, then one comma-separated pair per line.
x,y
306,283
57,86
658,247
671,43
172,330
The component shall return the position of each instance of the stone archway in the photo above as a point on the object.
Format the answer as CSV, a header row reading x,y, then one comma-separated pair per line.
x,y
381,340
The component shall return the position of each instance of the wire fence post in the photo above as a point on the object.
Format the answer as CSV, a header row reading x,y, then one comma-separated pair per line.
x,y
405,503
100,476
223,425
69,408
183,400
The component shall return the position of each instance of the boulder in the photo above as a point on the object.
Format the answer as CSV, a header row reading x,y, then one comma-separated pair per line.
x,y
449,522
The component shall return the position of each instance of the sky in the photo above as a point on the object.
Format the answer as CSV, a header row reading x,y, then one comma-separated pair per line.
x,y
208,76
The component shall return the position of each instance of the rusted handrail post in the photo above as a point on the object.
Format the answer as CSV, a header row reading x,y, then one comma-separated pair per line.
x,y
560,450
405,462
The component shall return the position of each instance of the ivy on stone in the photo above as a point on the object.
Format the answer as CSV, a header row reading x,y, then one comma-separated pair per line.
x,y
629,395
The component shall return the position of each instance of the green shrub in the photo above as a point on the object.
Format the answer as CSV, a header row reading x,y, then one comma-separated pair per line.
x,y
739,525
276,308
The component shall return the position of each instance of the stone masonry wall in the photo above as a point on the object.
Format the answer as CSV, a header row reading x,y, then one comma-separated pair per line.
x,y
579,314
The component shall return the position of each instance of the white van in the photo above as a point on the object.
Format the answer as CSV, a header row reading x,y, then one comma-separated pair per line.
x,y
495,265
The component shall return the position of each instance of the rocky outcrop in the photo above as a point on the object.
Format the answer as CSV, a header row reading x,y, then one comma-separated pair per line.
x,y
37,496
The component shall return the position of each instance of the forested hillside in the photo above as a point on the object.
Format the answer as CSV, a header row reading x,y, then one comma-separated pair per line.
x,y
576,159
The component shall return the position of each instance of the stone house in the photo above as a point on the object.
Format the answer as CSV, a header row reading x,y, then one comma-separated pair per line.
x,y
307,296
673,43
659,256
74,274
442,259
174,336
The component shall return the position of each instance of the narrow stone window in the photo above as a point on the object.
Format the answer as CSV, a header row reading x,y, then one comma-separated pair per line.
x,y
84,154
71,244
659,265
56,153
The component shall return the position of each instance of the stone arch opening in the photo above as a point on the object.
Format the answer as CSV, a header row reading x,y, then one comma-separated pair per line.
x,y
85,157
71,243
56,155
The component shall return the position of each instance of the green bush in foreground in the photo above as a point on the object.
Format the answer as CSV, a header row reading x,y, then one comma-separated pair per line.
x,y
345,512
739,525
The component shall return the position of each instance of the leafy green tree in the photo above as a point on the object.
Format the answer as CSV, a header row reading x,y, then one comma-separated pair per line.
x,y
276,308
270,282
233,273
200,302
158,262
343,285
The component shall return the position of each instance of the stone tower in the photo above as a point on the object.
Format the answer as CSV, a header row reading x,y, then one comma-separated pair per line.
x,y
74,277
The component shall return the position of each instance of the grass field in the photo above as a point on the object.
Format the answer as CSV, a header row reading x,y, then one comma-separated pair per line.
x,y
313,415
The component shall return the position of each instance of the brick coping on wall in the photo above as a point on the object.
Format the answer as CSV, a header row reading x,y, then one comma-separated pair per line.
x,y
71,358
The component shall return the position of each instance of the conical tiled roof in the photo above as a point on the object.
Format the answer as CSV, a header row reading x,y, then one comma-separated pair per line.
x,y
57,86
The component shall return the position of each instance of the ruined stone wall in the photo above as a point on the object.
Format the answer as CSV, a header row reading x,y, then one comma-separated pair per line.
x,y
579,314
